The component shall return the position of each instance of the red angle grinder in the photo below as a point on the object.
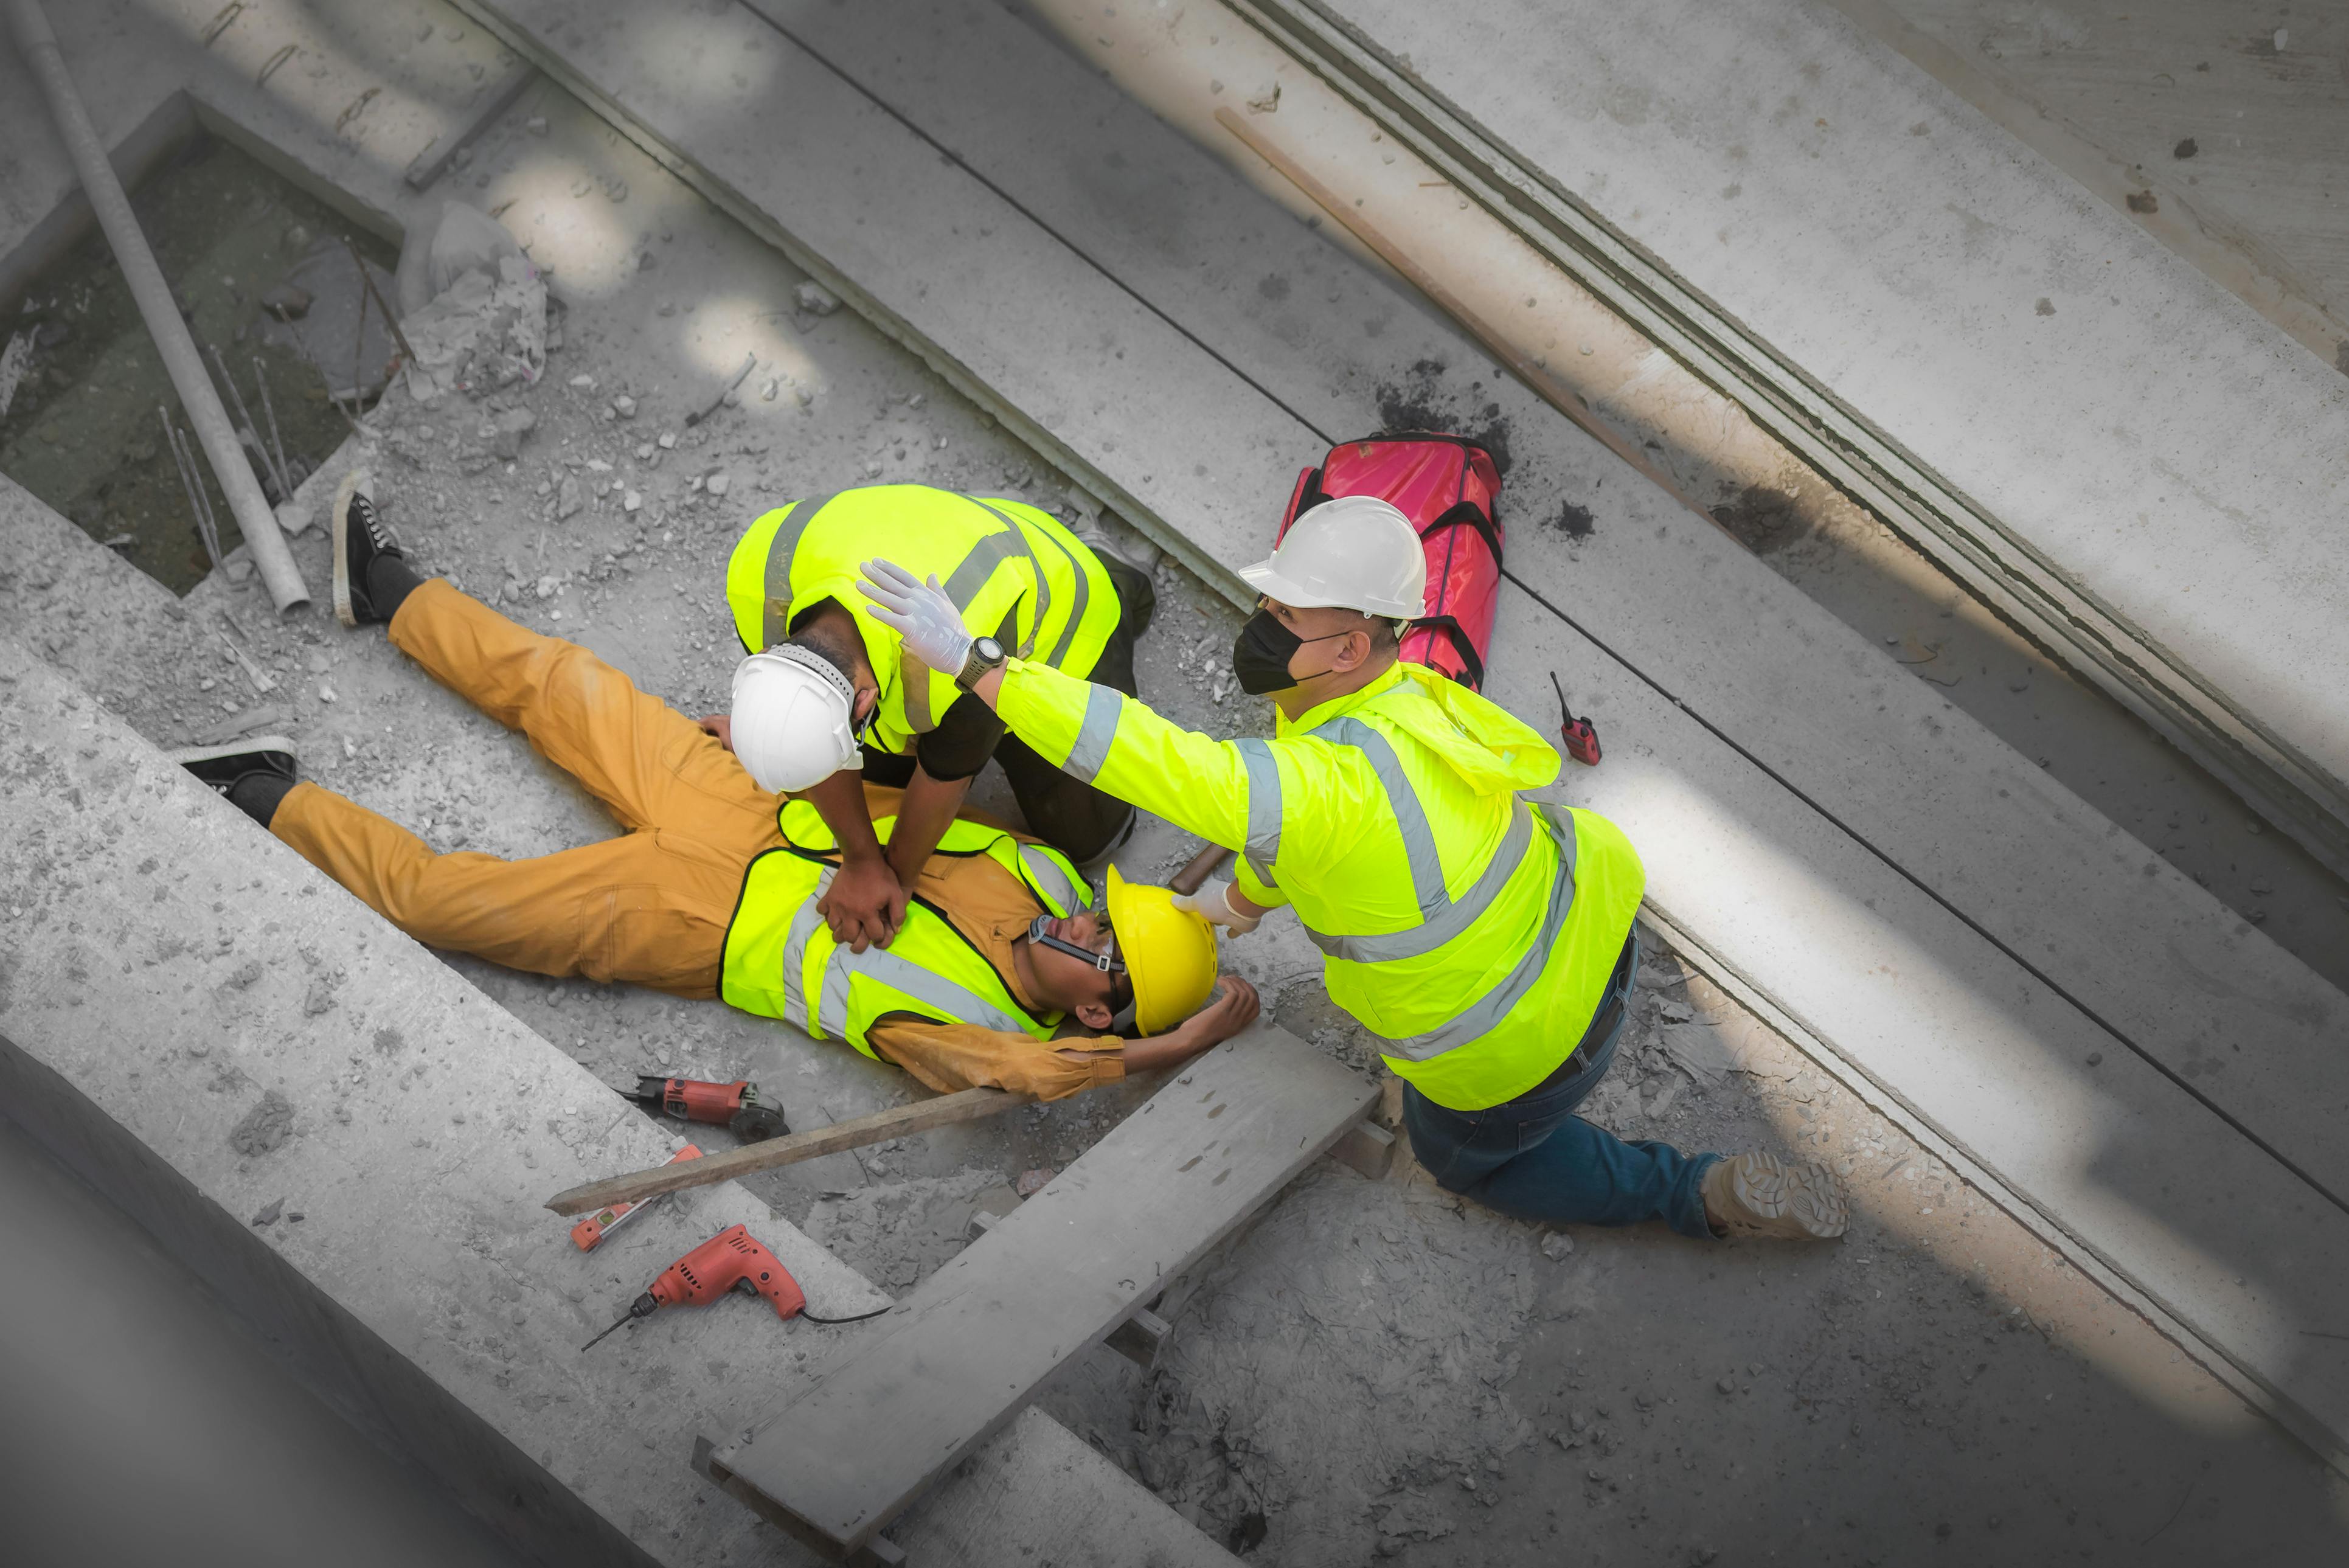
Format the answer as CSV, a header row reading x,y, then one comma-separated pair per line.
x,y
730,1260
734,1105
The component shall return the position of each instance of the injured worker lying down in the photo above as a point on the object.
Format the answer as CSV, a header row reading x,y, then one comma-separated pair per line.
x,y
1010,971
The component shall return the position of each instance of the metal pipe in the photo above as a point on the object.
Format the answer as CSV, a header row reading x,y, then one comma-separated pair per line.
x,y
38,44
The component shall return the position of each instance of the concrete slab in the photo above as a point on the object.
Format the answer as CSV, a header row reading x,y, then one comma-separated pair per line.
x,y
1828,246
2192,120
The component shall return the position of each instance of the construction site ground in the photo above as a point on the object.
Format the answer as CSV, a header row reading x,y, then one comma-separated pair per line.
x,y
1371,1369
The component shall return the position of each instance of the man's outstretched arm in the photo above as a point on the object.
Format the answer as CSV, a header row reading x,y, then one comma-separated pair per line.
x,y
1227,792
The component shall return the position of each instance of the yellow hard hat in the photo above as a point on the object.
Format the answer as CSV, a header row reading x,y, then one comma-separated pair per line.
x,y
1169,955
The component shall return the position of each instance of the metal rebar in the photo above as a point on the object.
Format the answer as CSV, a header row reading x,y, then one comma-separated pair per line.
x,y
277,444
366,280
324,385
358,341
38,46
246,415
197,506
207,519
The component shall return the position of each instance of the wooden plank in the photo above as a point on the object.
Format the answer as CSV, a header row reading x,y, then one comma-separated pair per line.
x,y
896,1122
1072,1263
1069,1505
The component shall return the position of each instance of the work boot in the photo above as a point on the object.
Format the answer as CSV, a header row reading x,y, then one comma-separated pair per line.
x,y
254,775
1760,1194
371,572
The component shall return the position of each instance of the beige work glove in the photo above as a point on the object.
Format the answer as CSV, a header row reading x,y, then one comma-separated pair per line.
x,y
1212,903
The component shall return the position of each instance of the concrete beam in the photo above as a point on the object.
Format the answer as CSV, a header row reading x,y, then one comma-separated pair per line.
x,y
351,1144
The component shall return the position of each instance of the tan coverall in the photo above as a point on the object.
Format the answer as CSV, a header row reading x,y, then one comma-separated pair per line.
x,y
651,906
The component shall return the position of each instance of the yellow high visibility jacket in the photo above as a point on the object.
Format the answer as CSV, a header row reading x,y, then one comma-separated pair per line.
x,y
1474,931
995,558
781,961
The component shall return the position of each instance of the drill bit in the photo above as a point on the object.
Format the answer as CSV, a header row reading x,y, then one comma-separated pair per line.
x,y
643,1306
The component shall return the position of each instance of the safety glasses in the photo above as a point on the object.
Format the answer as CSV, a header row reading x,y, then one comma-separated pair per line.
x,y
1106,960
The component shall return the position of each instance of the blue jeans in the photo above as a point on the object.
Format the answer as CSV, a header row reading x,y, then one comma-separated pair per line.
x,y
1533,1159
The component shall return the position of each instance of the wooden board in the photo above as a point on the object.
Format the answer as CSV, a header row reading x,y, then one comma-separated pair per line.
x,y
897,1410
1963,933
1038,1483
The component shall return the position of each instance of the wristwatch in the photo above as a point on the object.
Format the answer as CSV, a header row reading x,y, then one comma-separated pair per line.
x,y
986,654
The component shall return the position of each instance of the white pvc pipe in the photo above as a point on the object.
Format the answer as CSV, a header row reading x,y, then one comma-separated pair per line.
x,y
38,44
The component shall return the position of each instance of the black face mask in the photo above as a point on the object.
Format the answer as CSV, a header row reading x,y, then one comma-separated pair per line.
x,y
1260,655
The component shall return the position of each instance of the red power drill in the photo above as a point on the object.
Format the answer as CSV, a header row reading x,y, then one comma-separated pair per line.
x,y
734,1105
730,1260
1580,736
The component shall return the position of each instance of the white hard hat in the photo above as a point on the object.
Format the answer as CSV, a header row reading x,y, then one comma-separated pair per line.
x,y
794,718
1355,552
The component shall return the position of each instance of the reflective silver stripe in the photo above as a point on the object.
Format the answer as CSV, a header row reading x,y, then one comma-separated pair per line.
x,y
1043,590
774,623
979,565
1262,872
885,967
803,924
1485,1016
1264,802
913,686
1047,875
1430,934
1410,820
1076,611
1103,704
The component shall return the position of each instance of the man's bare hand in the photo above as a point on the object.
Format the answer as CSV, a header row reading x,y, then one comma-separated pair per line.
x,y
1234,1008
865,905
720,725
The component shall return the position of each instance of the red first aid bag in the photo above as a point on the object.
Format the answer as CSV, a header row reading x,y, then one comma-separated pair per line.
x,y
1447,486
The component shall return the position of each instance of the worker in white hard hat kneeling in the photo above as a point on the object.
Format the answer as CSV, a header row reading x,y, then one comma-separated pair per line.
x,y
827,695
1011,970
1487,939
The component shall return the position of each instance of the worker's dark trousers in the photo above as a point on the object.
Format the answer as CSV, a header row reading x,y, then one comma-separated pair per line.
x,y
1063,811
1533,1158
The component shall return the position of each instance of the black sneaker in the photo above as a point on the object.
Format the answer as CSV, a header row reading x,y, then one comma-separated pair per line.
x,y
361,539
252,774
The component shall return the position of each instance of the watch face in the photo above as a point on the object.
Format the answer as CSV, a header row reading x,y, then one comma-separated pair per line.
x,y
988,649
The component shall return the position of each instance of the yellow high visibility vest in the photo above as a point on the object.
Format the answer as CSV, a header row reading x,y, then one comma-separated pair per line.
x,y
994,558
781,961
1473,929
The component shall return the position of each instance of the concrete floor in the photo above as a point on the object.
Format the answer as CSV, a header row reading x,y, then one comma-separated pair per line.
x,y
1373,1369
2216,127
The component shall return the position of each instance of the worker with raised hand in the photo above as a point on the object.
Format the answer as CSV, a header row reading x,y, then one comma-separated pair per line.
x,y
712,888
841,697
1489,940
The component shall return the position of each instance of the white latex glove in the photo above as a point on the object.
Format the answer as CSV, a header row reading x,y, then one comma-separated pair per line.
x,y
1212,903
921,614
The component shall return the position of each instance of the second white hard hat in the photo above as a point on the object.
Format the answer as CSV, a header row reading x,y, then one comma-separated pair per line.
x,y
1356,552
794,718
